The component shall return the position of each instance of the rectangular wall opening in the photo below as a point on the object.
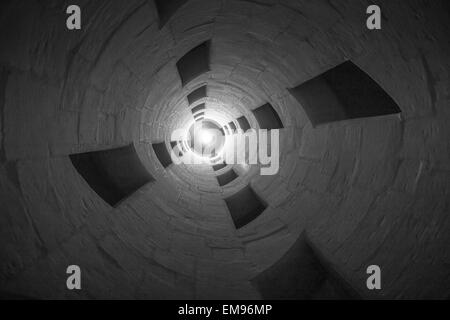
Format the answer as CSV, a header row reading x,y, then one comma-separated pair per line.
x,y
344,92
166,9
232,126
113,174
226,177
194,63
200,114
162,154
302,274
267,117
176,146
196,95
219,166
243,123
244,206
198,108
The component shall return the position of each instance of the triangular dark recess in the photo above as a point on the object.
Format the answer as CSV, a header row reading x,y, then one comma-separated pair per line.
x,y
198,108
244,206
219,166
344,92
194,63
166,9
243,123
302,273
267,117
113,174
162,154
196,95
226,177
176,147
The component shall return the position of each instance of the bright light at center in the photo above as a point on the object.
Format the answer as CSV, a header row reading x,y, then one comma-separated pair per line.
x,y
206,137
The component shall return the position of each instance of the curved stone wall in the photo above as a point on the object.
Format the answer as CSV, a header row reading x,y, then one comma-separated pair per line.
x,y
364,191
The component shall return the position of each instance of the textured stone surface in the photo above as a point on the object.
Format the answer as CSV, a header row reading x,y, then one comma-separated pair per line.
x,y
367,191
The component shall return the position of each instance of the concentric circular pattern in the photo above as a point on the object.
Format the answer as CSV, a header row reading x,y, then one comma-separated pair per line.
x,y
348,193
206,139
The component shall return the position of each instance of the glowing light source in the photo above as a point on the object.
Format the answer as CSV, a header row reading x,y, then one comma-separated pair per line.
x,y
206,137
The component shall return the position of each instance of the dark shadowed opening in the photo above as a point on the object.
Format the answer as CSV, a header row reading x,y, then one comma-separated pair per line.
x,y
166,9
244,206
200,114
267,117
302,274
162,154
113,174
194,63
196,95
195,109
344,92
176,147
219,166
226,177
232,126
243,123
